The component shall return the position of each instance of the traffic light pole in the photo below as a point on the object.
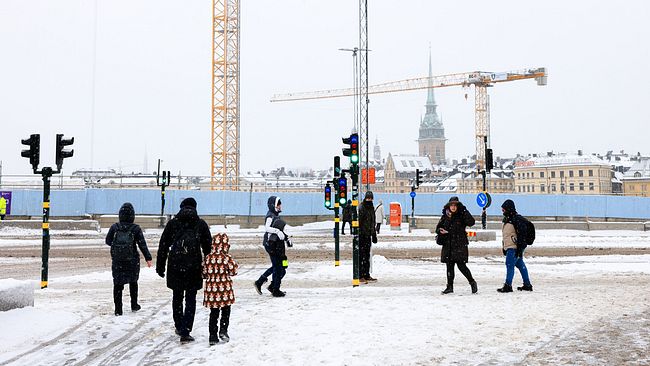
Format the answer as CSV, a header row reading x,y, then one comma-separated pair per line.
x,y
412,209
484,211
354,171
337,252
46,173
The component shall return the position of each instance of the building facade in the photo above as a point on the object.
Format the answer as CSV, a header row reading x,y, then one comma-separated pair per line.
x,y
498,181
563,174
431,140
636,181
400,171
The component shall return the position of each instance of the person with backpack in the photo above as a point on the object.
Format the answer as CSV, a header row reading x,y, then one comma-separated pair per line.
x,y
125,238
379,215
274,241
218,294
453,238
347,217
518,233
184,242
367,237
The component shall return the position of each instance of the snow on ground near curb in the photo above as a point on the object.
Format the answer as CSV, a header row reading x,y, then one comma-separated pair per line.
x,y
402,319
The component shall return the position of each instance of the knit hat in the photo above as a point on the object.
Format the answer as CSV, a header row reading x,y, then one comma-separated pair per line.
x,y
188,202
369,195
509,206
454,198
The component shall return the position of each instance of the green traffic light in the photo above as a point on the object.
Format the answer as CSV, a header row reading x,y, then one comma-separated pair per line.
x,y
328,203
354,159
342,201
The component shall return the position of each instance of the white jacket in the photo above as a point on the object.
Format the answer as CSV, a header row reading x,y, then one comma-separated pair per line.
x,y
379,214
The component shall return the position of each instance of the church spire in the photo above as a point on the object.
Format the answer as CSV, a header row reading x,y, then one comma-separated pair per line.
x,y
431,100
431,118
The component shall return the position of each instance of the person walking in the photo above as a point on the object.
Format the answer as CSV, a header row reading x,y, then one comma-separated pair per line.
x,y
3,208
453,238
218,294
379,215
514,231
125,238
347,217
183,240
367,236
273,236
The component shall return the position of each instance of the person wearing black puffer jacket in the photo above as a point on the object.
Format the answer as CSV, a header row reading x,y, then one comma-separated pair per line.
x,y
514,245
367,236
125,238
451,229
186,240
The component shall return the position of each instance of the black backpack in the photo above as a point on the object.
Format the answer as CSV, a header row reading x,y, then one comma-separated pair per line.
x,y
122,248
185,252
529,235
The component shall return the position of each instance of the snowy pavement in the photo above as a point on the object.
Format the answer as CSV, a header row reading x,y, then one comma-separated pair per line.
x,y
584,310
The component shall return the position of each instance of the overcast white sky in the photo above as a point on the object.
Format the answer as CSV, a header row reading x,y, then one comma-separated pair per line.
x,y
153,77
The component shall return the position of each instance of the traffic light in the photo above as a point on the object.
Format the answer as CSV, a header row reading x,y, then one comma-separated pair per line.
x,y
328,196
337,166
418,178
489,160
61,154
34,143
353,150
343,191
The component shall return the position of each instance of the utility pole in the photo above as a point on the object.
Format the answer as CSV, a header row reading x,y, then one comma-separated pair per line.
x,y
166,180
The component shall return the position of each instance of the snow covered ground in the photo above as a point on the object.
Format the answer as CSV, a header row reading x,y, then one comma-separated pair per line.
x,y
584,310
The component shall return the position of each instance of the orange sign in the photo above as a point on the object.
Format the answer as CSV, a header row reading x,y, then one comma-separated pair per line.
x,y
368,176
395,216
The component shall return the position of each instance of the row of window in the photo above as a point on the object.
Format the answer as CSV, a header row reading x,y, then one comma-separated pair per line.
x,y
531,175
553,187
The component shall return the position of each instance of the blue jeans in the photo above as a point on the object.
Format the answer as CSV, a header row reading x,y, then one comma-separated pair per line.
x,y
511,262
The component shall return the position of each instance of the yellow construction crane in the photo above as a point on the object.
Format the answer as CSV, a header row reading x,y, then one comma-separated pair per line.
x,y
225,95
481,80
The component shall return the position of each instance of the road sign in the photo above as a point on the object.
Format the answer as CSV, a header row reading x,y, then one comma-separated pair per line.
x,y
483,200
413,194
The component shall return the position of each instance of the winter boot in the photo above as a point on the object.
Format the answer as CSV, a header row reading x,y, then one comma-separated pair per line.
x,y
223,336
448,290
214,339
133,291
474,287
187,339
505,288
525,288
370,279
277,293
258,285
117,299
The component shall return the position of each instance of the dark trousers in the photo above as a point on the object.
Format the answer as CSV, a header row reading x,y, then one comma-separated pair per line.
x,y
463,269
184,320
343,226
216,326
276,269
117,295
377,227
365,242
2,217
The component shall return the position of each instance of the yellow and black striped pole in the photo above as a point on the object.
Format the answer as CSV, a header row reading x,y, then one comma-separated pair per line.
x,y
337,219
46,173
354,172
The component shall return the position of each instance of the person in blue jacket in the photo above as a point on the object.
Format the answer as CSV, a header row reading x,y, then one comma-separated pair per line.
x,y
272,236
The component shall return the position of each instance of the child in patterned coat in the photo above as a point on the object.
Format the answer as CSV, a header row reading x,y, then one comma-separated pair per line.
x,y
218,266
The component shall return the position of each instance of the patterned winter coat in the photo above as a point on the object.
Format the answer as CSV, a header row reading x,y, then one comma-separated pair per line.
x,y
218,266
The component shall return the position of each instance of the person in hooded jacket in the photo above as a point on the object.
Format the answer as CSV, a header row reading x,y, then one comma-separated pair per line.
x,y
125,238
379,215
346,217
453,238
184,242
218,294
271,232
513,247
367,236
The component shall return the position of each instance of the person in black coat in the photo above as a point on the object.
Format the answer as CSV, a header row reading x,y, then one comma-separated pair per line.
x,y
185,241
367,236
347,217
453,238
123,237
273,242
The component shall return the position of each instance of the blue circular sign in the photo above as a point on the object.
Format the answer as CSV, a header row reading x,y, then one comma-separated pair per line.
x,y
482,200
413,194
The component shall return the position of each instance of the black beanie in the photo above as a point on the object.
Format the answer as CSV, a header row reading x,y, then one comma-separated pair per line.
x,y
509,206
454,199
369,195
188,202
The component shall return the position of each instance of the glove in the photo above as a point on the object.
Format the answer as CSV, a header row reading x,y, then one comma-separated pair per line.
x,y
161,273
289,243
503,251
280,235
374,239
519,252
